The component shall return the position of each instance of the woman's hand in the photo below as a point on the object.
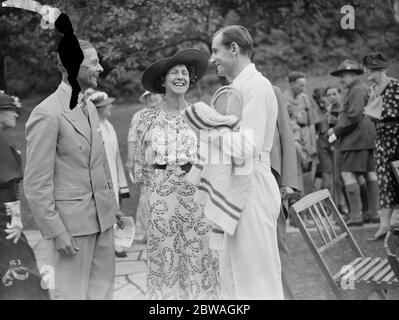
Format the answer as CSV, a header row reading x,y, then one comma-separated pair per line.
x,y
129,165
14,229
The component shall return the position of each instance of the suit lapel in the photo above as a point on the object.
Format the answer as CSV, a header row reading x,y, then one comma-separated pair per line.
x,y
75,117
96,138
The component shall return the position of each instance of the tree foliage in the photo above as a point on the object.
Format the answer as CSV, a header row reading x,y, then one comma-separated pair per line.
x,y
130,34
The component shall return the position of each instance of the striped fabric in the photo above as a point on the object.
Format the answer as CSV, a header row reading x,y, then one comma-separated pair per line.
x,y
223,192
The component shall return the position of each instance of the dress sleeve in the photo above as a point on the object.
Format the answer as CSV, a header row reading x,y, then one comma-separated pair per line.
x,y
135,138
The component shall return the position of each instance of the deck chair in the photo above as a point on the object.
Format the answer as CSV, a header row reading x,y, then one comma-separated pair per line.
x,y
370,274
395,168
391,245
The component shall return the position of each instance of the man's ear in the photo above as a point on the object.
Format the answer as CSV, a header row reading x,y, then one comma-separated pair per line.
x,y
234,48
60,66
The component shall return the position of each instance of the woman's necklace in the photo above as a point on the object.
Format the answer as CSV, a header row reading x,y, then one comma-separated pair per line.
x,y
165,108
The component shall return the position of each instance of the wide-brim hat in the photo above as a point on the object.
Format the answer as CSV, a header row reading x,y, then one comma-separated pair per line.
x,y
9,102
100,99
143,96
347,66
375,60
151,79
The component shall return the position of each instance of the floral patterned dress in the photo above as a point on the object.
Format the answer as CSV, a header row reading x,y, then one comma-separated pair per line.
x,y
387,145
180,263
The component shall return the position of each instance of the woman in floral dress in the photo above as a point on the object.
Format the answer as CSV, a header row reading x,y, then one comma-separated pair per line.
x,y
383,106
180,263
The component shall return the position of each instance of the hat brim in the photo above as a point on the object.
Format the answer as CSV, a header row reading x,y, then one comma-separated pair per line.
x,y
337,73
151,79
104,102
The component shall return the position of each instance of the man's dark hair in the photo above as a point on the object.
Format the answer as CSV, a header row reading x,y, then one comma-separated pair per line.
x,y
332,87
295,75
239,35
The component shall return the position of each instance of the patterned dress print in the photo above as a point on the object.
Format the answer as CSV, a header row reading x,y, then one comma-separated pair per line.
x,y
180,263
387,145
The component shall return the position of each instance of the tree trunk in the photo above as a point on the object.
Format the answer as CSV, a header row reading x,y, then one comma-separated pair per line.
x,y
3,84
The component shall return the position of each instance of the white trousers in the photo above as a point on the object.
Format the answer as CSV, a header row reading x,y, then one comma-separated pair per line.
x,y
250,265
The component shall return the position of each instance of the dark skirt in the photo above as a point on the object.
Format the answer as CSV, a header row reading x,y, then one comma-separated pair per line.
x,y
387,150
19,276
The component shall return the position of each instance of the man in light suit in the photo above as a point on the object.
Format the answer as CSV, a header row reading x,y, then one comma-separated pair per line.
x,y
69,189
283,161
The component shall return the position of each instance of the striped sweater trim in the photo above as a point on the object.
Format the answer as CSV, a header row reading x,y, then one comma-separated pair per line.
x,y
202,121
218,204
215,230
190,119
221,196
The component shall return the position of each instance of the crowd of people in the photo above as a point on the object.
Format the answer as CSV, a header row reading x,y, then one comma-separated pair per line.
x,y
349,139
210,239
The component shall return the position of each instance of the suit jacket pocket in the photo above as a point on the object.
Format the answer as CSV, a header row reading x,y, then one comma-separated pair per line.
x,y
68,194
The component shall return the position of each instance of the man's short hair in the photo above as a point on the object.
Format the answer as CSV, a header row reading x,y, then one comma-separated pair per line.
x,y
239,35
332,87
295,75
84,44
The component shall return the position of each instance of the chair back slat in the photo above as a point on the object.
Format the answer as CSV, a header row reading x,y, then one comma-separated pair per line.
x,y
323,221
328,220
342,225
317,225
311,203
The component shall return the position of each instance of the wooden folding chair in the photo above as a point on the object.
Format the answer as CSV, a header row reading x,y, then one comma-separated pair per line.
x,y
372,274
395,168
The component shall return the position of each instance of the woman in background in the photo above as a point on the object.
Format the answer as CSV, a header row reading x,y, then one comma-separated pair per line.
x,y
104,107
383,107
19,276
149,100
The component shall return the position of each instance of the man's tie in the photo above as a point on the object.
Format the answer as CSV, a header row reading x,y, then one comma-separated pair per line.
x,y
83,105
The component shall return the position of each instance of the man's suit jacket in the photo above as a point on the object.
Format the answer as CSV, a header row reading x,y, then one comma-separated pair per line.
x,y
355,130
67,180
283,159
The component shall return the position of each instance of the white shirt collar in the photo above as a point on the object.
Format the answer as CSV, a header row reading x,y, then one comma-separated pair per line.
x,y
68,89
244,74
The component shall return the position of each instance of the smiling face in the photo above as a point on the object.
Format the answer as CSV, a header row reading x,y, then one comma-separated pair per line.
x,y
177,80
298,86
8,118
222,57
89,70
